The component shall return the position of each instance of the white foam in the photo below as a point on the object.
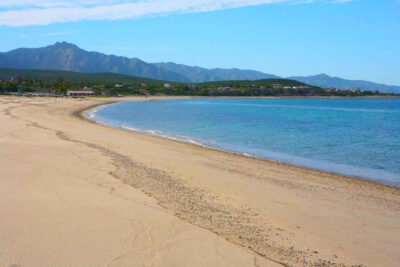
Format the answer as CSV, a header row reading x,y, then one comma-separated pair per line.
x,y
92,114
158,133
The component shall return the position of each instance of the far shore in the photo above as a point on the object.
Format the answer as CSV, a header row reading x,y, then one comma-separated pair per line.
x,y
74,192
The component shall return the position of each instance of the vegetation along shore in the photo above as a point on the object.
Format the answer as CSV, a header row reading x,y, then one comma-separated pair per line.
x,y
52,82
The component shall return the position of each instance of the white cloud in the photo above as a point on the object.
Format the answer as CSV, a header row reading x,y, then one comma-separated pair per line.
x,y
42,12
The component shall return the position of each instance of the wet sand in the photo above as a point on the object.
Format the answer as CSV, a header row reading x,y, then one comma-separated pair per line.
x,y
73,192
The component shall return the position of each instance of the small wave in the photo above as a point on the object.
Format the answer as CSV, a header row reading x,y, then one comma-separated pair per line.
x,y
92,114
158,133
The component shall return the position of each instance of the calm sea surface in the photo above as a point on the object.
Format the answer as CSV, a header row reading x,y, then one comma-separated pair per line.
x,y
358,137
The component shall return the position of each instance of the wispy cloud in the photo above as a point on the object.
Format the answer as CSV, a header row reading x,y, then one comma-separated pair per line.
x,y
42,12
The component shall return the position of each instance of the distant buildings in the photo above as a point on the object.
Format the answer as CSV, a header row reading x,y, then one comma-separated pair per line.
x,y
81,93
301,87
43,91
277,86
226,88
167,85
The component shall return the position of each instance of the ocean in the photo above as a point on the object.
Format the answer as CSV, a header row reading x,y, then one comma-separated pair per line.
x,y
351,136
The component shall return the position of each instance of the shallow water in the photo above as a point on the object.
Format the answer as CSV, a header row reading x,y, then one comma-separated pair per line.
x,y
357,137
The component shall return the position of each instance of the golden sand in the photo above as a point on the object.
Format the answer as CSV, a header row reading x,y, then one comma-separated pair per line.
x,y
73,192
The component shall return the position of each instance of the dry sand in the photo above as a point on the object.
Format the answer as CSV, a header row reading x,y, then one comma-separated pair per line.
x,y
75,193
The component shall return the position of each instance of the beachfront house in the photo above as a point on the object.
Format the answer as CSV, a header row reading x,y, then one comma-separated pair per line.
x,y
82,93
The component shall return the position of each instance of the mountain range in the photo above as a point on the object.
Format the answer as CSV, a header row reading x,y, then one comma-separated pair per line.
x,y
69,57
326,81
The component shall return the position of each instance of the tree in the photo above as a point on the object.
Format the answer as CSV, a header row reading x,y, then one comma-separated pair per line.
x,y
61,89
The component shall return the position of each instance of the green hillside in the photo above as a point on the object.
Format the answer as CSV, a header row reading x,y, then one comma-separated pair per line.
x,y
111,84
52,75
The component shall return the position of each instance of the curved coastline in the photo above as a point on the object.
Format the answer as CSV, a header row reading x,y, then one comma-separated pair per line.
x,y
83,114
282,214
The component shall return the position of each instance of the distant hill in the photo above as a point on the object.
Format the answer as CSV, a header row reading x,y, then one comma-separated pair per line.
x,y
69,57
198,74
268,83
51,75
325,81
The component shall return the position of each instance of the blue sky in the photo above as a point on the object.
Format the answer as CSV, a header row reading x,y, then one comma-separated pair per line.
x,y
356,39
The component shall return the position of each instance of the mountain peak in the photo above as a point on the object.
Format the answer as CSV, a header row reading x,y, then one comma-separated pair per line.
x,y
322,75
64,44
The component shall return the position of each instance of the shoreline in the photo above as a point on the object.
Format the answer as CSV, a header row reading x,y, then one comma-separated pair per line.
x,y
83,114
107,196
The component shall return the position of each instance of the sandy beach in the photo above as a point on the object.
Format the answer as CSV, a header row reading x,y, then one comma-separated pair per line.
x,y
76,193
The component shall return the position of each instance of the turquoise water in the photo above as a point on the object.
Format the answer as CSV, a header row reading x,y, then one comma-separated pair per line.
x,y
357,137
